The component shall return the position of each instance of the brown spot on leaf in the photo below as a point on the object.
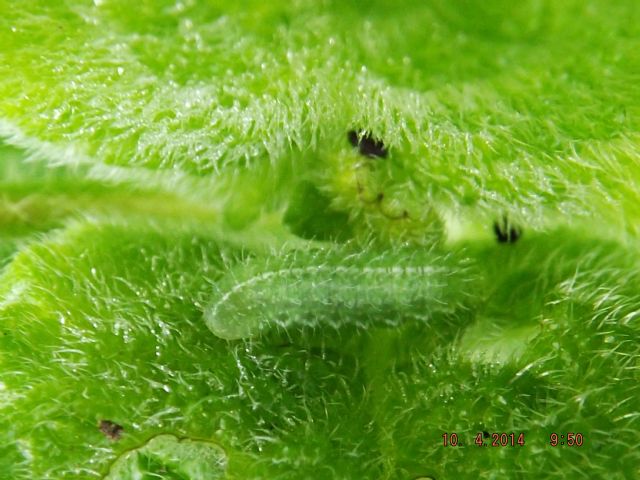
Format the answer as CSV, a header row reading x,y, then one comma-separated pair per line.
x,y
111,430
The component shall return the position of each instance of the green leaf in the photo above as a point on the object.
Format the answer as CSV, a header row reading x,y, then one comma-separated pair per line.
x,y
484,105
88,338
253,240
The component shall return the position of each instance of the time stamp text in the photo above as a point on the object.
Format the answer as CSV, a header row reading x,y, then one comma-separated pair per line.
x,y
504,439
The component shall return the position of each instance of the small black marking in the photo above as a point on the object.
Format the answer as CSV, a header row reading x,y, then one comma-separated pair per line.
x,y
485,434
367,144
506,232
353,138
111,430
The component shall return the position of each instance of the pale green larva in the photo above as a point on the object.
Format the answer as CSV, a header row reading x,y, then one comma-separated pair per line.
x,y
335,288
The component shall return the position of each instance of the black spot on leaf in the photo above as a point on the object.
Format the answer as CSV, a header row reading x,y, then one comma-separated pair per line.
x,y
367,144
506,232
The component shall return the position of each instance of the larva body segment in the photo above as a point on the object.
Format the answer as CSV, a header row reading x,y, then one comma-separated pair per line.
x,y
336,288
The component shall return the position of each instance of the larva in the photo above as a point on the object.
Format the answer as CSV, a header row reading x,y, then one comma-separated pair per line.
x,y
335,288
